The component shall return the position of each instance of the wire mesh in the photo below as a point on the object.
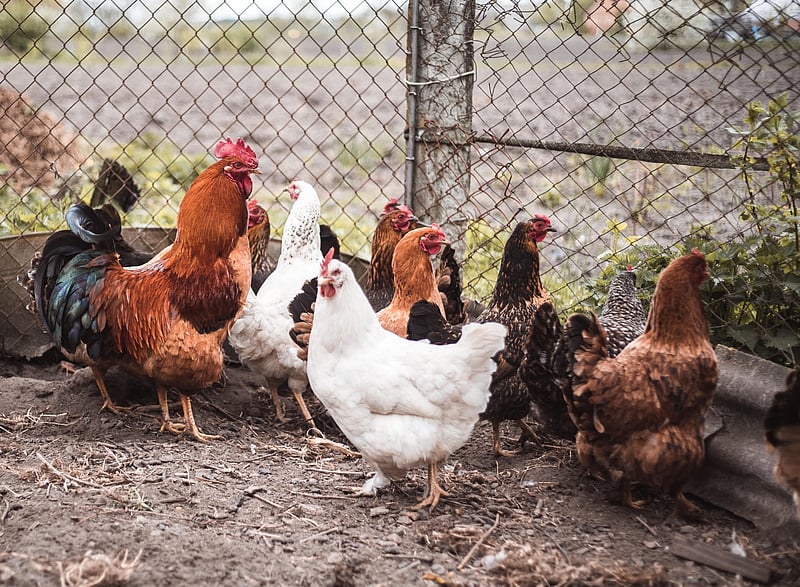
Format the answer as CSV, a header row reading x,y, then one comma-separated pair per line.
x,y
320,90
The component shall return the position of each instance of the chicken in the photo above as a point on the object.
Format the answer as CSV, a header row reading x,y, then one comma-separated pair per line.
x,y
448,280
165,319
403,404
544,366
640,415
782,425
622,315
517,293
258,233
393,224
413,277
260,336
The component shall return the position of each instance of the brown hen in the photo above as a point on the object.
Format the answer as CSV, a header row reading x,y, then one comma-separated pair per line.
x,y
413,277
640,416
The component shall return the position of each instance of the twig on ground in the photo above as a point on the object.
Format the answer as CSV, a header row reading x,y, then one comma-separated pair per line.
x,y
643,523
480,541
65,476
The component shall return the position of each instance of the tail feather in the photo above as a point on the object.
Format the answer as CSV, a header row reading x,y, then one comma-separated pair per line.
x,y
69,316
586,345
544,371
115,184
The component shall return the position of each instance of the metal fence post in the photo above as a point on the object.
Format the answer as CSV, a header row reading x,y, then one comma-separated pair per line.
x,y
440,102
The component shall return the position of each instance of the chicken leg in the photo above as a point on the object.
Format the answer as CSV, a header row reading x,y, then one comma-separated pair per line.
x,y
108,403
280,414
188,416
433,491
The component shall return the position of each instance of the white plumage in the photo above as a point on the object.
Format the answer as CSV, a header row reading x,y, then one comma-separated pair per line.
x,y
402,403
261,335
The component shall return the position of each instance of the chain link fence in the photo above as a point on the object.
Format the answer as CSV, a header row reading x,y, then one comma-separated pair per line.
x,y
618,119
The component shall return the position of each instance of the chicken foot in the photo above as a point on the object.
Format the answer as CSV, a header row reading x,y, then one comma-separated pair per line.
x,y
188,416
108,403
433,492
688,510
280,414
498,448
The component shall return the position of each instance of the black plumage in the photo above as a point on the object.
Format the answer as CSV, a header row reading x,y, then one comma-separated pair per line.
x,y
425,322
517,294
115,184
544,371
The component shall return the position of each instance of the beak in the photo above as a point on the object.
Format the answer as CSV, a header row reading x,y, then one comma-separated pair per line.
x,y
256,170
324,280
551,229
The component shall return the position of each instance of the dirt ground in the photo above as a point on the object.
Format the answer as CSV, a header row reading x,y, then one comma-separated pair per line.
x,y
90,498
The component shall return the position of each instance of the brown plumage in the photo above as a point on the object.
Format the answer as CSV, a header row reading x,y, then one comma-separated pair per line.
x,y
782,427
640,416
517,294
258,233
413,277
165,319
394,223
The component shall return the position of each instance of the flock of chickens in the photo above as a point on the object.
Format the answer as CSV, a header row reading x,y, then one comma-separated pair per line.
x,y
404,365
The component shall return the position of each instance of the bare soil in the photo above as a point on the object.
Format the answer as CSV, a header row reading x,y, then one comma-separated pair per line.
x,y
89,498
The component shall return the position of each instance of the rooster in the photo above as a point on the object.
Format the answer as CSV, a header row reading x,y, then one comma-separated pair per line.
x,y
413,277
782,425
393,224
260,336
640,415
165,319
403,404
544,366
517,294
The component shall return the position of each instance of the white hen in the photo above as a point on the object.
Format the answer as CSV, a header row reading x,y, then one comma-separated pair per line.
x,y
403,404
261,335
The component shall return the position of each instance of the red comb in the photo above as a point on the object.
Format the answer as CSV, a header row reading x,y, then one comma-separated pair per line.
x,y
228,148
435,227
696,251
326,261
542,217
390,206
630,267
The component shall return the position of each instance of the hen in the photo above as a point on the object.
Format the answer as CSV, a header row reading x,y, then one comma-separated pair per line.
x,y
393,224
517,294
640,415
622,315
260,336
165,319
413,277
544,366
258,233
782,425
403,404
